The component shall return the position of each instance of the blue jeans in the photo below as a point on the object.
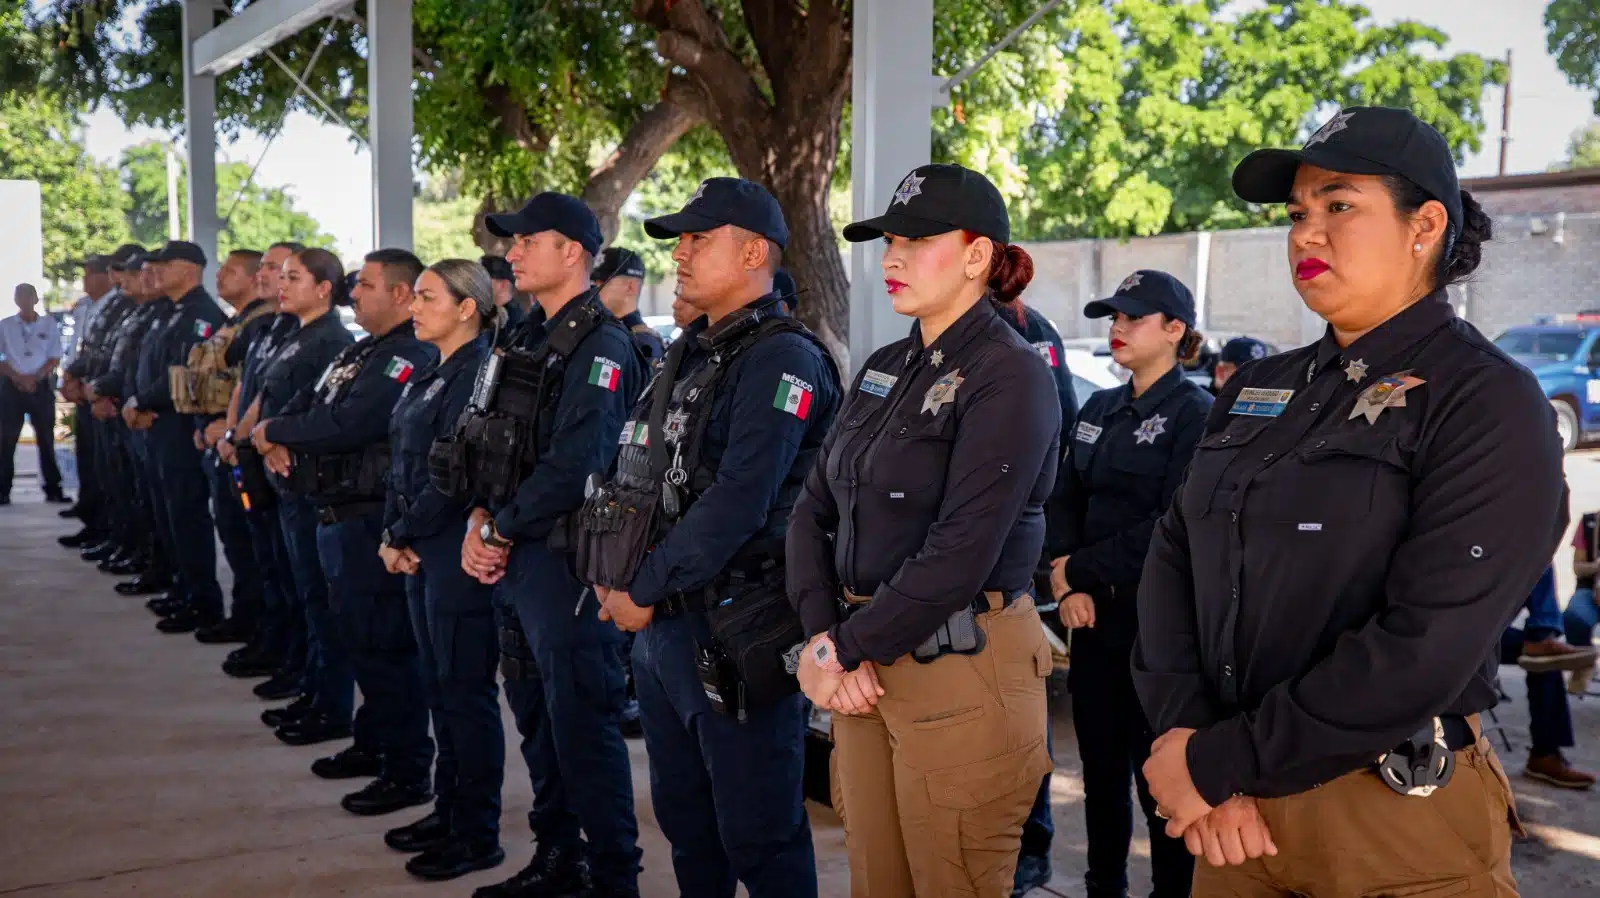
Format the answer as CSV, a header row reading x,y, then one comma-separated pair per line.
x,y
729,795
1581,617
1549,715
1544,614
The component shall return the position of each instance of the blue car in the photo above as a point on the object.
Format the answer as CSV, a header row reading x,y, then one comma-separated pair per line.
x,y
1563,351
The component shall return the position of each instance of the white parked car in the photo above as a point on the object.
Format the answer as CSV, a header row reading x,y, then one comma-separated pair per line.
x,y
1092,373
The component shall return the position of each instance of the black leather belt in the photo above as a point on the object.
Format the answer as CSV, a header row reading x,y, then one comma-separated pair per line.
x,y
678,604
850,603
338,514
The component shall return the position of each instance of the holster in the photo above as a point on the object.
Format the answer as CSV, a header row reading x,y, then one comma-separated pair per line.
x,y
760,634
957,636
614,530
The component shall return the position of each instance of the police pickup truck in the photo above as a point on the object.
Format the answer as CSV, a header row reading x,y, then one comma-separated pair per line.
x,y
1563,351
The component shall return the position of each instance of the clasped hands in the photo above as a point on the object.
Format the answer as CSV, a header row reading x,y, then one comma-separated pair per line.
x,y
399,561
832,687
136,419
275,457
1229,834
481,561
1076,609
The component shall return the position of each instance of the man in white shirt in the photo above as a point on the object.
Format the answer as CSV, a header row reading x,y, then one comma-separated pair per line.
x,y
30,350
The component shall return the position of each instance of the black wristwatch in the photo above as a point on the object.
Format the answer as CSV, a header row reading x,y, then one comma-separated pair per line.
x,y
492,537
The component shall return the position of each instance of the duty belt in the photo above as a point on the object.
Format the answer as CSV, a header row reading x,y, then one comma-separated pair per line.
x,y
338,514
681,602
988,600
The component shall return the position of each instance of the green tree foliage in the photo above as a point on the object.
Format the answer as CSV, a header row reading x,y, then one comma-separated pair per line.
x,y
260,217
442,221
1583,149
1572,32
82,204
1126,117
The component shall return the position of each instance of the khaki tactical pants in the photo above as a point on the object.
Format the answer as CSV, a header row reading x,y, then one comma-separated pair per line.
x,y
1355,838
934,785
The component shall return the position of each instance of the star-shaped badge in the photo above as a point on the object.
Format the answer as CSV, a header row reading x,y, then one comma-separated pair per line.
x,y
1329,128
1149,429
698,193
937,358
1129,282
1356,371
910,187
942,392
1389,392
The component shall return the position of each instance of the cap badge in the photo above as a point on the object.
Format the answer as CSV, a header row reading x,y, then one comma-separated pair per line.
x,y
1329,128
1129,282
1149,429
1390,392
910,187
942,392
698,193
1356,371
1258,351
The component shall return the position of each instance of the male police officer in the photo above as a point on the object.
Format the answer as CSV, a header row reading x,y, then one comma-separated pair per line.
x,y
175,460
619,276
752,394
339,435
1234,355
565,683
91,507
505,289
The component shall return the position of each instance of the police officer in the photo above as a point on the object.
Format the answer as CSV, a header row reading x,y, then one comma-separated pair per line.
x,y
183,511
1126,455
211,377
566,385
742,405
93,506
1235,354
619,276
917,535
277,649
337,434
91,357
452,614
1361,519
505,292
313,283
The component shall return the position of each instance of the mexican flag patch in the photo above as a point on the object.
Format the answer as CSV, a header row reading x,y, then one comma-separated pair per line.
x,y
605,373
398,370
793,396
1048,353
202,329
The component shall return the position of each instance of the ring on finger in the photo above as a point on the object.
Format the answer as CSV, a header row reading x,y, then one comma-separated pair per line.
x,y
1162,813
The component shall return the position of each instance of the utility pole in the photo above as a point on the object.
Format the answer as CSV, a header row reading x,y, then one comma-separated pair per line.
x,y
172,195
1505,117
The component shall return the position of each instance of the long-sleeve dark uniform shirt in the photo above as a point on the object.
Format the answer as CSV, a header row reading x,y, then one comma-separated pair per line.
x,y
306,351
352,414
429,408
1356,529
121,374
930,489
191,320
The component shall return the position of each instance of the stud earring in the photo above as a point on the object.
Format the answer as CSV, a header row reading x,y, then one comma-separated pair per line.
x,y
1417,247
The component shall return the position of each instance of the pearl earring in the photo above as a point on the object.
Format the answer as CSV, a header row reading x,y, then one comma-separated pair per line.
x,y
1417,247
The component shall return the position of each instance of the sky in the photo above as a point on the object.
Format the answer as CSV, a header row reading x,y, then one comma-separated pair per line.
x,y
331,177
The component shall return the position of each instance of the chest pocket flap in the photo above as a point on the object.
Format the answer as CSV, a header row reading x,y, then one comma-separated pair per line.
x,y
913,453
1337,476
1212,456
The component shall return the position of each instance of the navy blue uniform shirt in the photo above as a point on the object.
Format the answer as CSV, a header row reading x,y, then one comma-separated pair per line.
x,y
191,320
760,441
299,362
263,348
99,340
138,331
430,406
1036,329
931,489
579,434
1356,529
352,415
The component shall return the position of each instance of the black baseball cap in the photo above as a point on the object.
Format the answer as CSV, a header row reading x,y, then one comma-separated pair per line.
x,y
97,264
1242,349
566,215
1360,140
618,262
1146,292
938,199
122,255
178,251
499,269
725,201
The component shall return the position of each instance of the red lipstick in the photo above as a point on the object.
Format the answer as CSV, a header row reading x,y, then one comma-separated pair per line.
x,y
1117,344
893,286
1310,268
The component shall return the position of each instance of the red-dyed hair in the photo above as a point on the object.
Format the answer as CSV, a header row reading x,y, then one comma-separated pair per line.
x,y
1010,270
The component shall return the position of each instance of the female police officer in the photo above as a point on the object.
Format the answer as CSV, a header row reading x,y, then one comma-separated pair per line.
x,y
1361,519
452,614
924,515
1125,457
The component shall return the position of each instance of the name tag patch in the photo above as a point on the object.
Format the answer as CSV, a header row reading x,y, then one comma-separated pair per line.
x,y
877,383
1310,528
1261,403
636,433
1087,433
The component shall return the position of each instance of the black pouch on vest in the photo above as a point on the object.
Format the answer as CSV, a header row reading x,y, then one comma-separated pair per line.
x,y
615,529
760,633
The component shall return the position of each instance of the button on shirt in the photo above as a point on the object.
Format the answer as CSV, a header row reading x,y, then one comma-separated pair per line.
x,y
1356,529
932,487
27,345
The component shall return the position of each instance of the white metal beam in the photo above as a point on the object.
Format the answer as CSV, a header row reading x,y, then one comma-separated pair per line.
x,y
200,123
389,120
256,28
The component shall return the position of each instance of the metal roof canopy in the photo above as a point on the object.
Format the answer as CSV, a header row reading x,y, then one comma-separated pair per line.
x,y
211,51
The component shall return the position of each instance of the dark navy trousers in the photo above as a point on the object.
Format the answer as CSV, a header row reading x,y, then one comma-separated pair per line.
x,y
729,795
184,503
568,708
282,632
453,617
372,617
237,545
327,679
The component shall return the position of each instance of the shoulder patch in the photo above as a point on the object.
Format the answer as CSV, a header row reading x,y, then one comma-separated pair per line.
x,y
202,329
398,370
1047,351
793,396
604,372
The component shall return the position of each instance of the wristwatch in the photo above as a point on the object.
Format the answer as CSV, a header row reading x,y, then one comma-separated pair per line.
x,y
227,435
387,538
492,537
822,653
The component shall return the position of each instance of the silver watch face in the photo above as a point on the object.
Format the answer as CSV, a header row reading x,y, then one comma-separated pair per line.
x,y
486,532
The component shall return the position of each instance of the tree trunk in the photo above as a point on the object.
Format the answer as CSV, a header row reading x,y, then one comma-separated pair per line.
x,y
681,108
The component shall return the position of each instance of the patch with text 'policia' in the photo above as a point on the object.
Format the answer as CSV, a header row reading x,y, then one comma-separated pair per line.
x,y
603,372
398,370
793,396
1261,403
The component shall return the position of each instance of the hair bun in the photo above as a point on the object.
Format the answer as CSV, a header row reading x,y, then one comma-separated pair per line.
x,y
1011,272
1467,252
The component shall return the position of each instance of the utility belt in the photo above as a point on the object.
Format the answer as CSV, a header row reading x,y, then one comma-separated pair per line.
x,y
1427,760
249,480
960,635
341,478
756,638
348,511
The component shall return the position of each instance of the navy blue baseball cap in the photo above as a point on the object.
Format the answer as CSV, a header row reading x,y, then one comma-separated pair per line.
x,y
1242,349
566,215
937,199
122,255
725,201
617,262
178,251
1146,292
